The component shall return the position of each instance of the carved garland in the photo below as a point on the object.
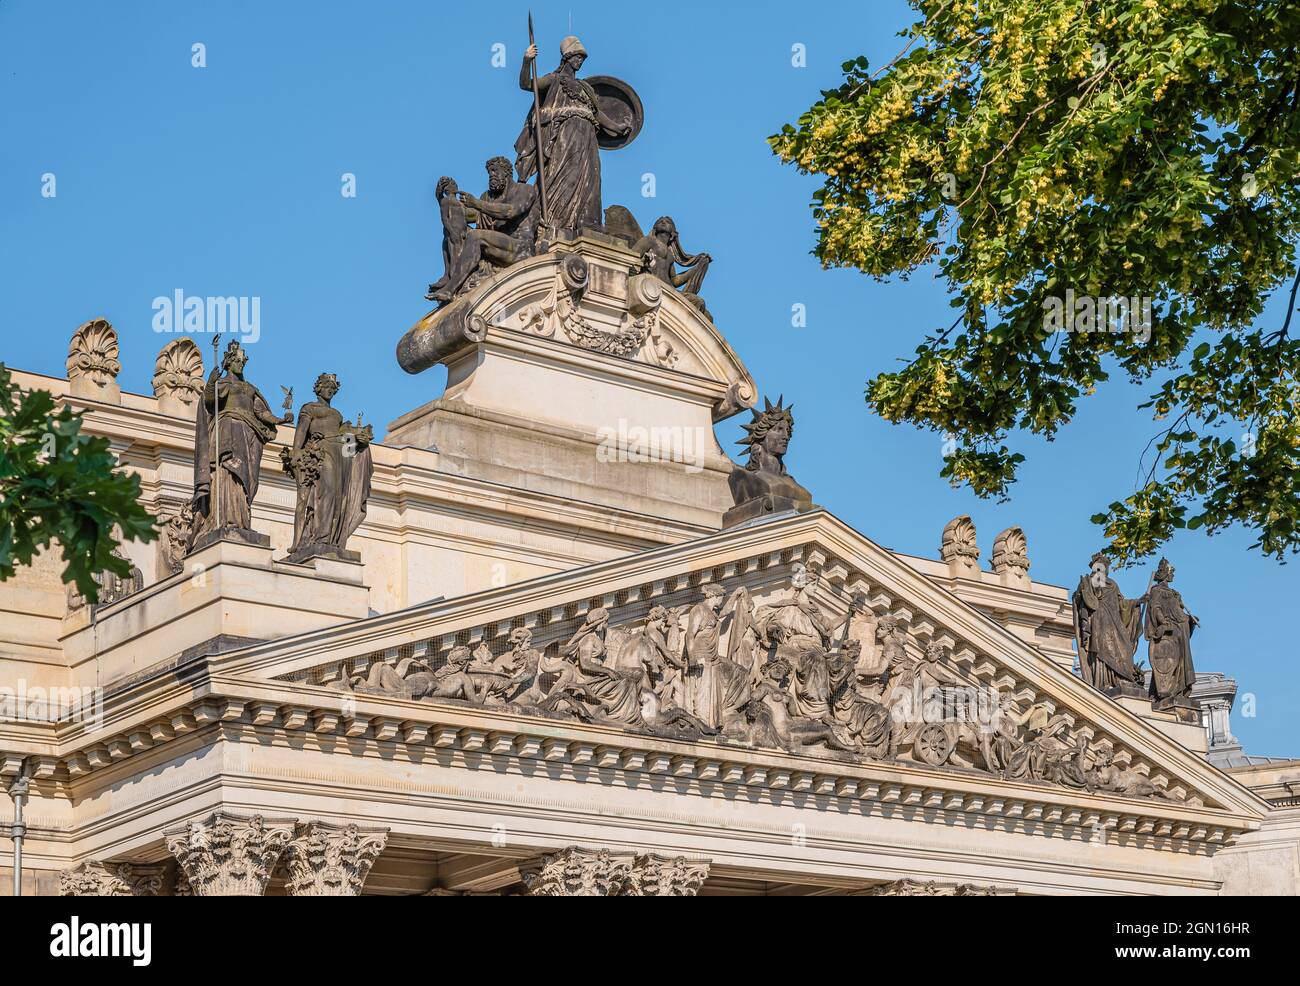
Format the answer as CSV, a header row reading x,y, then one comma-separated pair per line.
x,y
560,310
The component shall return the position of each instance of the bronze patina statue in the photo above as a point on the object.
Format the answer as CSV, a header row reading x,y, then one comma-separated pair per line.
x,y
662,251
1169,628
762,486
232,426
330,463
1107,627
505,219
578,117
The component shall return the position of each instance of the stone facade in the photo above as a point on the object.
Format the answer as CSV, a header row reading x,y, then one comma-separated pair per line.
x,y
551,671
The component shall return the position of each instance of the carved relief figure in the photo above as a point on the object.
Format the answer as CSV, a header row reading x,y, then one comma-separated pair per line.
x,y
745,643
657,649
330,462
762,485
455,679
796,623
587,686
861,629
770,718
1169,628
702,632
1047,754
855,702
1107,775
1106,628
524,662
238,432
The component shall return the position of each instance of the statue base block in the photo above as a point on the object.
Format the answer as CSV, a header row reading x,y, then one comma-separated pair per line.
x,y
231,588
1179,705
762,507
1186,732
304,553
1126,690
241,535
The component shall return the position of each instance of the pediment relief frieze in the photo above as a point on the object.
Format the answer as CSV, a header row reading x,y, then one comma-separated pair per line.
x,y
791,650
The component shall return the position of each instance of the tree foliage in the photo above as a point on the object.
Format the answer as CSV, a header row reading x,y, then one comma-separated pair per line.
x,y
59,485
1128,148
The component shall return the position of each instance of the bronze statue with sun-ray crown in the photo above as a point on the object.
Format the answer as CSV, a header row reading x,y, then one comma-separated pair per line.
x,y
762,486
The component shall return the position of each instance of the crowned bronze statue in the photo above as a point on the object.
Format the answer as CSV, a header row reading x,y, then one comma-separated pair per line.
x,y
1107,628
330,463
1169,628
762,486
232,426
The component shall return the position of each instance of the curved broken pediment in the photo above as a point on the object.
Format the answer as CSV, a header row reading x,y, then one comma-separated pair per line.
x,y
591,296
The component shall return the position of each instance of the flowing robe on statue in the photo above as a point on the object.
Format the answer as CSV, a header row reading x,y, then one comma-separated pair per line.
x,y
702,652
1169,636
243,427
604,691
570,151
335,485
801,632
1108,628
862,720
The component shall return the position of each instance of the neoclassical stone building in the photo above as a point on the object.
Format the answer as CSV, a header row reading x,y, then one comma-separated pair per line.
x,y
550,669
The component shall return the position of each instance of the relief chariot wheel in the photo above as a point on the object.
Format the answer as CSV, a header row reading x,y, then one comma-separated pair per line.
x,y
933,744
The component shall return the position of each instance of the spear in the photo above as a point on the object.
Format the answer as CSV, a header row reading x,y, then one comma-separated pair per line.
x,y
215,485
537,130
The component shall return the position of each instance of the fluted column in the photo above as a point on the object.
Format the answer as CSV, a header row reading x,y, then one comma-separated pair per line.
x,y
95,879
578,872
229,855
324,860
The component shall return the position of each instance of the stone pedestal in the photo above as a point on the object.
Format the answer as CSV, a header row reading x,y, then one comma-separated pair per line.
x,y
230,592
238,535
1174,723
572,374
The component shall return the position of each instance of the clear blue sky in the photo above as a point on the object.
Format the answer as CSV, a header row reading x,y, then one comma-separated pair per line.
x,y
225,181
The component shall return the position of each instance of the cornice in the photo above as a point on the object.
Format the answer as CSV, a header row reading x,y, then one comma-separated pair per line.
x,y
288,712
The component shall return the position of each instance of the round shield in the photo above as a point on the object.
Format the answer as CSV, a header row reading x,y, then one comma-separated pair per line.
x,y
620,103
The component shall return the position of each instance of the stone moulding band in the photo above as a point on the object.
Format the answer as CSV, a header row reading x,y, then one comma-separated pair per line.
x,y
419,725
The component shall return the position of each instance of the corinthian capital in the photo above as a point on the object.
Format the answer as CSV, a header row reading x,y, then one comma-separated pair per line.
x,y
663,876
94,879
229,855
578,872
325,860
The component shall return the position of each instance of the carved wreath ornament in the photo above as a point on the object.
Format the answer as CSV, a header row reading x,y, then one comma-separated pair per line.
x,y
559,310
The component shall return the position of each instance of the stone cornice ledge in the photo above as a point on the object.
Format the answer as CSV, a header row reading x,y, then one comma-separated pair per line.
x,y
512,735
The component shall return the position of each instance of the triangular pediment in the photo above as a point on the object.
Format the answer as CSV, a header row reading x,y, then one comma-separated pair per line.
x,y
1156,786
